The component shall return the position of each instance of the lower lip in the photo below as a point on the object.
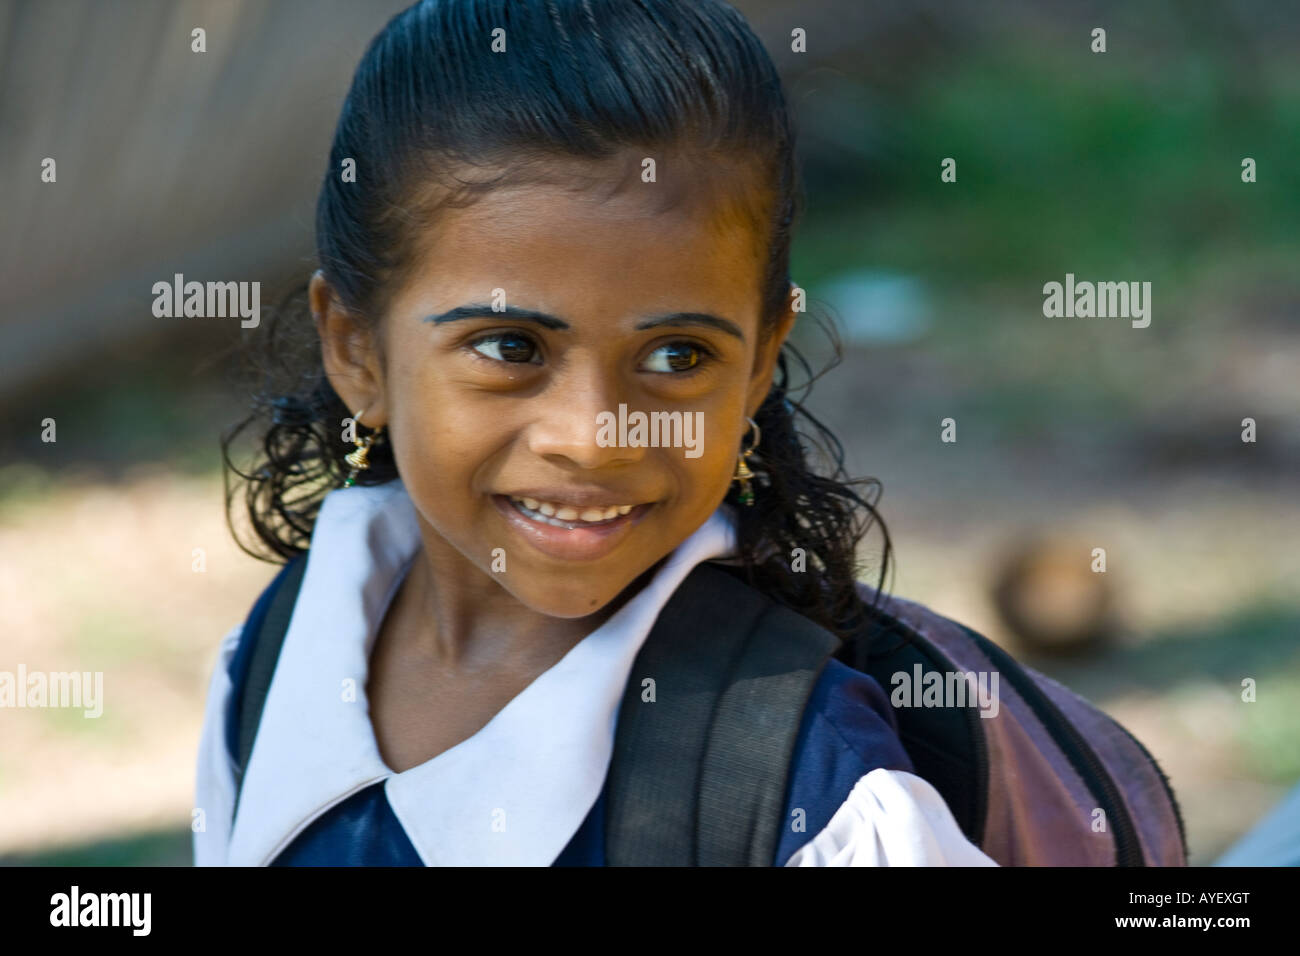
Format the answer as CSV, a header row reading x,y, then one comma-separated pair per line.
x,y
578,544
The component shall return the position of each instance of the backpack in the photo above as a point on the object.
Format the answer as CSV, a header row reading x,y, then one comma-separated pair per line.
x,y
700,777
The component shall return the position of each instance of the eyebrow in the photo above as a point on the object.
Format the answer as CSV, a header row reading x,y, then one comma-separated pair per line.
x,y
477,310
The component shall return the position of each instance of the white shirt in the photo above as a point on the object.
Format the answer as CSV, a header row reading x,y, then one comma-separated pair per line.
x,y
517,790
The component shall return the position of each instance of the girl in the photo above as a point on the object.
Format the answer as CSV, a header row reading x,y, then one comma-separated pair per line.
x,y
540,216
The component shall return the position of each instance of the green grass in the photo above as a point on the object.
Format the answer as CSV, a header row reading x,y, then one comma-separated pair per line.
x,y
1269,737
1061,167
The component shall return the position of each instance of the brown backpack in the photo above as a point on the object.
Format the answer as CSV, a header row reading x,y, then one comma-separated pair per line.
x,y
1049,780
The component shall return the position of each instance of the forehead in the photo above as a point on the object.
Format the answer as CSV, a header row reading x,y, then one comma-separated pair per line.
x,y
597,236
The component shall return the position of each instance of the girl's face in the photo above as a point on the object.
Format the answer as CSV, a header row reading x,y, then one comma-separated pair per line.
x,y
646,300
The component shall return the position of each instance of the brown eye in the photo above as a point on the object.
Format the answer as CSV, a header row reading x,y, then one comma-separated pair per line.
x,y
680,357
508,346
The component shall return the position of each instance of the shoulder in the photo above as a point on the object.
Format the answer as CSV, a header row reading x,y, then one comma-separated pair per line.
x,y
219,675
219,680
848,712
890,818
214,773
847,731
239,646
853,796
215,784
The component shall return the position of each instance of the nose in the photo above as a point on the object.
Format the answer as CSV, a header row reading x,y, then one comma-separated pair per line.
x,y
569,429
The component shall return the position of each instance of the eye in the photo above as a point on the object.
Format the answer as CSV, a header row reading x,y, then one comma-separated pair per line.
x,y
513,347
679,357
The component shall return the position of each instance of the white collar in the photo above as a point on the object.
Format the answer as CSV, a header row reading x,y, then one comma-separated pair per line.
x,y
516,791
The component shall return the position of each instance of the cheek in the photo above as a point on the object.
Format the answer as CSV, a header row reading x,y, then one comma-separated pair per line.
x,y
708,477
439,440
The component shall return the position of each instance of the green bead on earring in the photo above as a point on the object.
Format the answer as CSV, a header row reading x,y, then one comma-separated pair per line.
x,y
360,458
743,474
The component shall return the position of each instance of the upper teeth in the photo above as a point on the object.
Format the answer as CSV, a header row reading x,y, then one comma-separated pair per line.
x,y
563,512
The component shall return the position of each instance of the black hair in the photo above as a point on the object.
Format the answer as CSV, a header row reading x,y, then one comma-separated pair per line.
x,y
580,79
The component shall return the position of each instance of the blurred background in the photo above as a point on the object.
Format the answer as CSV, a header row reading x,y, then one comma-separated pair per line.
x,y
1072,434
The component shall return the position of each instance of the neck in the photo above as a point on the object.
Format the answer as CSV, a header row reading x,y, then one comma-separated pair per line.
x,y
464,618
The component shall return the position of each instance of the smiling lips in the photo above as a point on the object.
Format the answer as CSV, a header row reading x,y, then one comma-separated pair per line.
x,y
568,513
568,533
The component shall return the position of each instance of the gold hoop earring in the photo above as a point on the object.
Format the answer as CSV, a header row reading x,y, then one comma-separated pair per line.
x,y
743,474
360,458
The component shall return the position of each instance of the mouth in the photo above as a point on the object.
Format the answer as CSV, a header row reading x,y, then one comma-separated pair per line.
x,y
568,533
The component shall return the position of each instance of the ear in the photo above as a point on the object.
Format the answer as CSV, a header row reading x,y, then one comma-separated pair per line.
x,y
765,360
349,353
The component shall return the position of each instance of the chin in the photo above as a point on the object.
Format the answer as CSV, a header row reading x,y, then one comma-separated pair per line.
x,y
564,602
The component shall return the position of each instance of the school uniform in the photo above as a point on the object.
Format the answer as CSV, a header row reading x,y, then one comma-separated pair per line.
x,y
529,788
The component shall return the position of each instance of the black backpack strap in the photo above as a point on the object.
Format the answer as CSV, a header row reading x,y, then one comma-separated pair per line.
x,y
698,776
268,637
